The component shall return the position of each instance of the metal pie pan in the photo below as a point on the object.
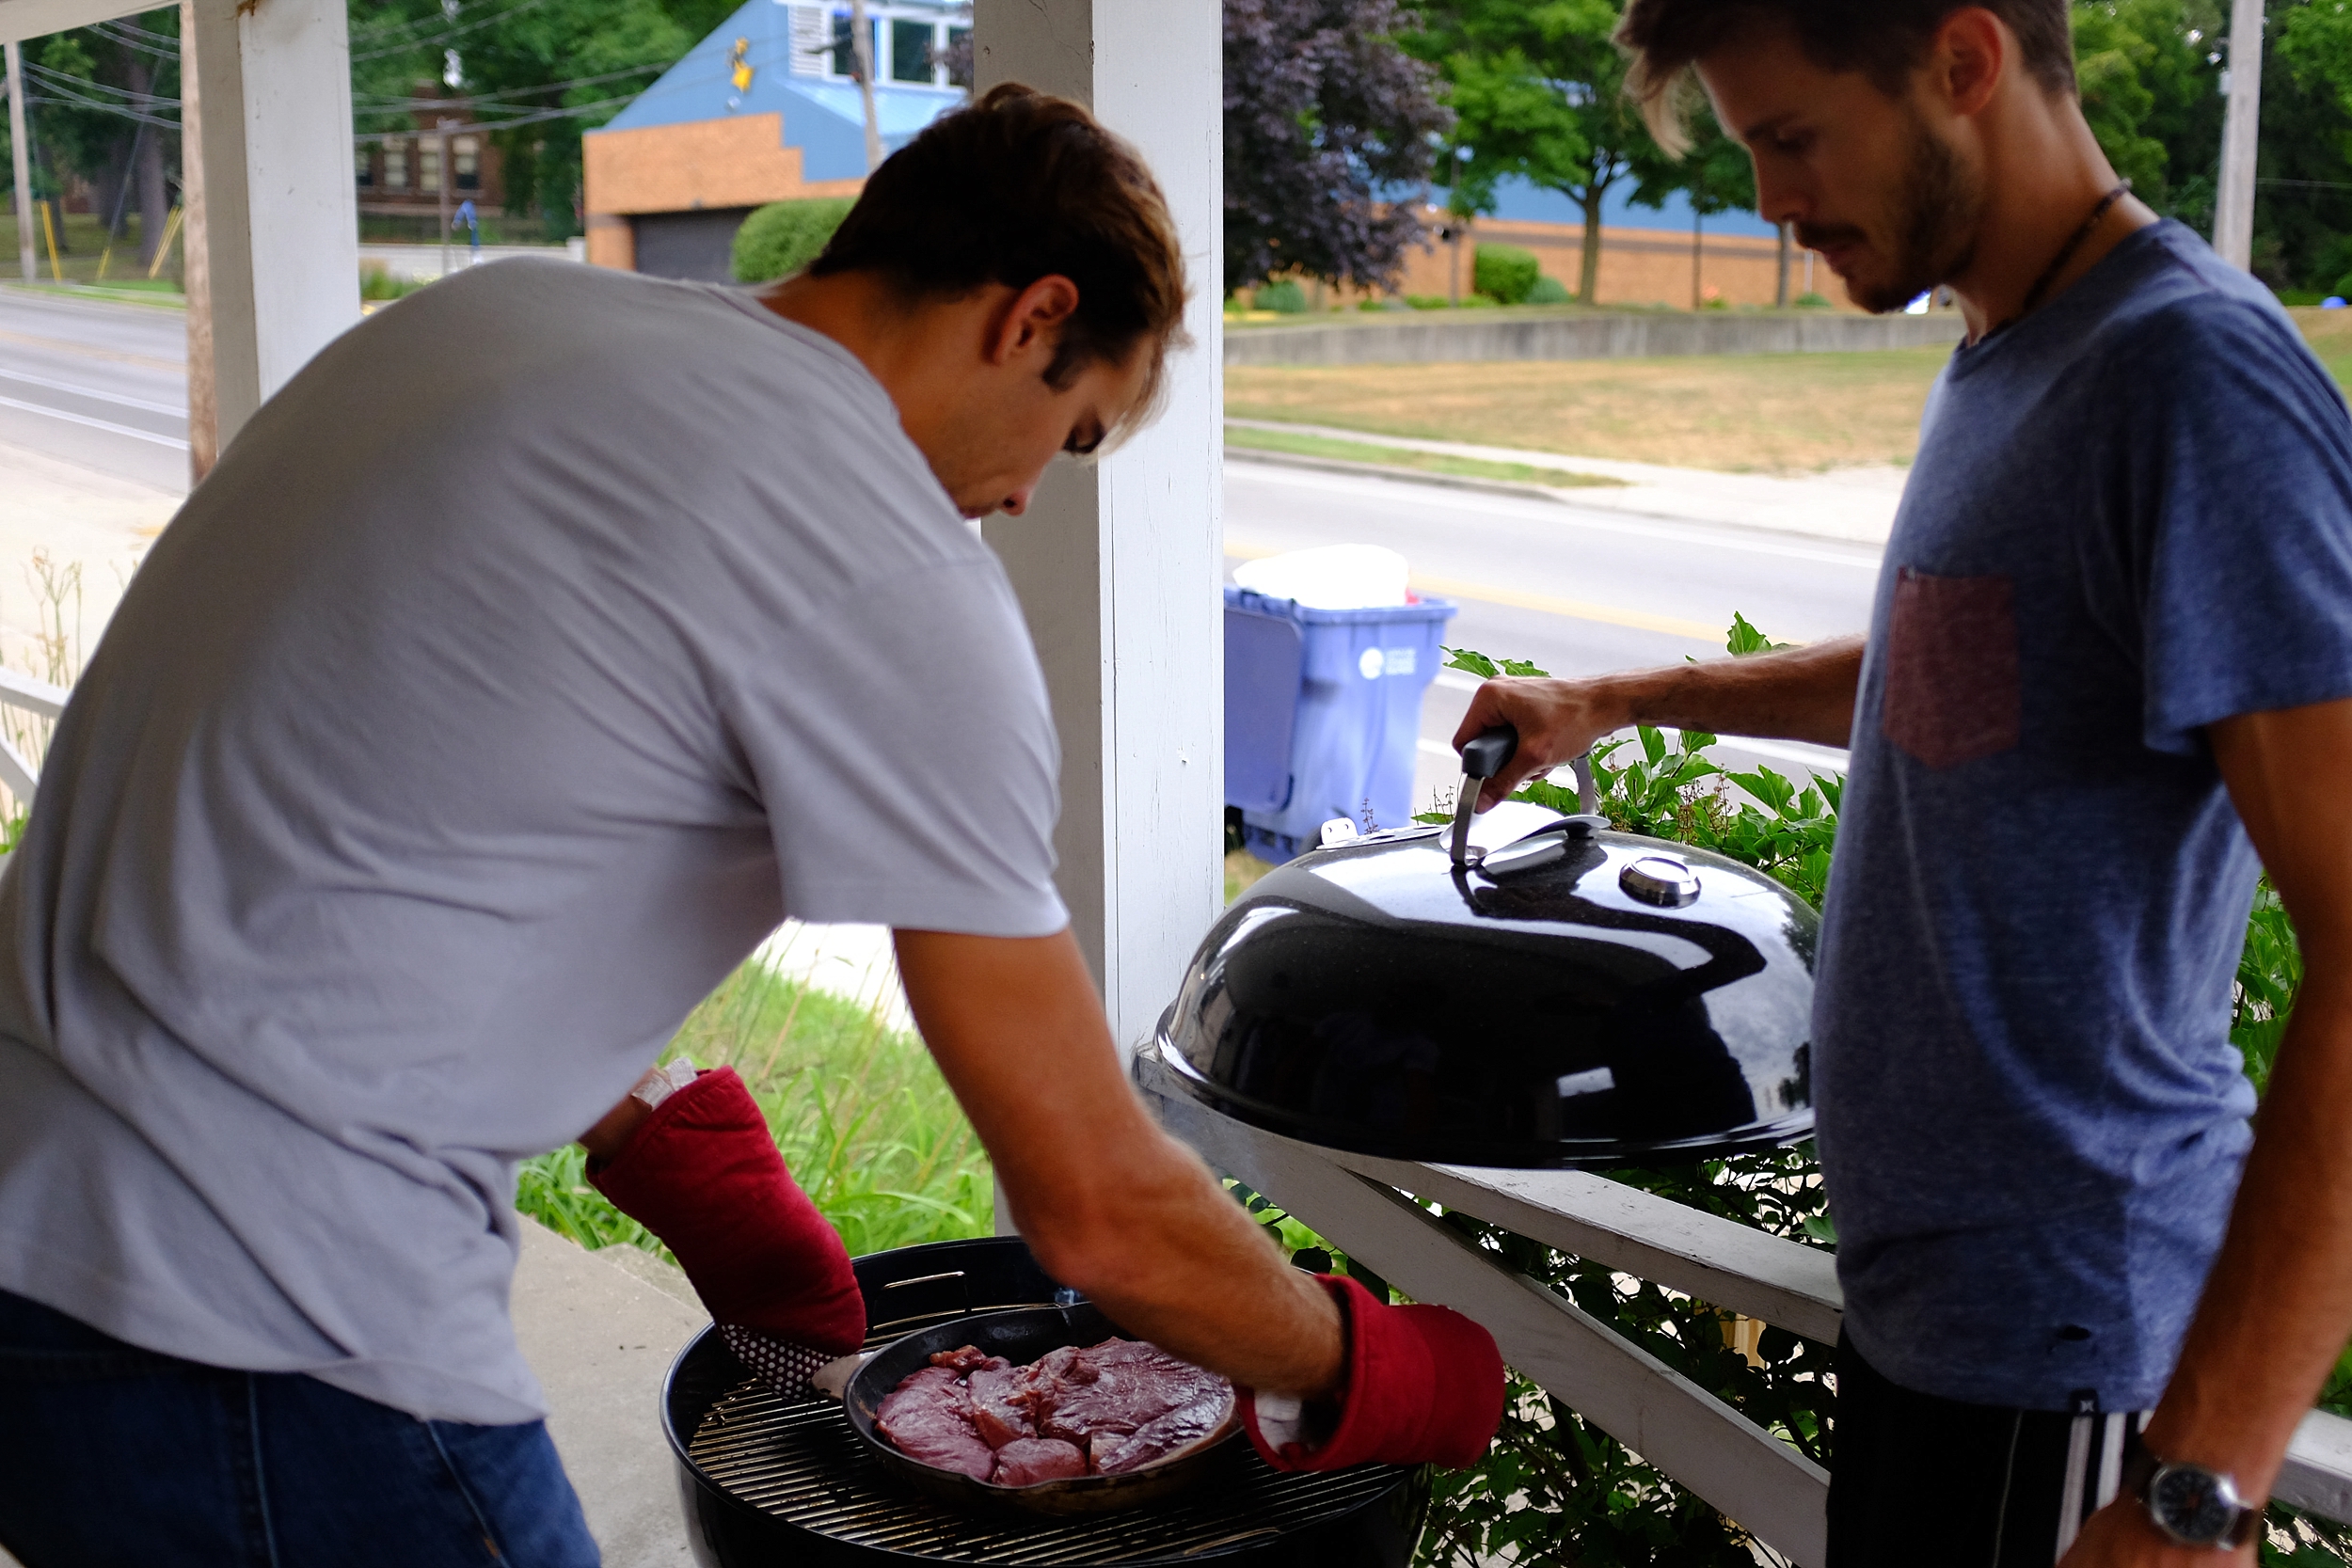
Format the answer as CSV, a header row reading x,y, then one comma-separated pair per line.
x,y
1020,1337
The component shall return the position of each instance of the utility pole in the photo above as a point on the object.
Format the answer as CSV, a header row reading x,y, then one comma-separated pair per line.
x,y
196,263
1697,252
2233,208
440,137
20,143
1780,296
862,50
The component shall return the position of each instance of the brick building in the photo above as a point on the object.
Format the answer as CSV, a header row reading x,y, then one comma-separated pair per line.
x,y
765,109
400,175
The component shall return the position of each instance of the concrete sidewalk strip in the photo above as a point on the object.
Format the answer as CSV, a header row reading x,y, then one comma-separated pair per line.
x,y
601,1333
1852,504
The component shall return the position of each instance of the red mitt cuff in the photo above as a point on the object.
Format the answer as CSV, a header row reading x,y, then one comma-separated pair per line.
x,y
703,1173
1424,1385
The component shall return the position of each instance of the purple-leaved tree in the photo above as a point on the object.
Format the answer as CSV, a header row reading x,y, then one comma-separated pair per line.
x,y
1327,141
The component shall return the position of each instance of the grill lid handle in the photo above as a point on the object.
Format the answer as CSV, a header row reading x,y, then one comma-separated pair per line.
x,y
1482,759
1490,752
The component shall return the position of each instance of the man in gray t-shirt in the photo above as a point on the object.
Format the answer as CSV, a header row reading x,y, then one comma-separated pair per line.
x,y
2110,662
549,638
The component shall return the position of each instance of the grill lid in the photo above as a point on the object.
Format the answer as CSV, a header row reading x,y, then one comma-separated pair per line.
x,y
1578,998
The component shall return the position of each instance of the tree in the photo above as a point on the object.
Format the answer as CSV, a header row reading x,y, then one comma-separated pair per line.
x,y
1715,174
1329,130
104,106
531,74
2150,90
1537,88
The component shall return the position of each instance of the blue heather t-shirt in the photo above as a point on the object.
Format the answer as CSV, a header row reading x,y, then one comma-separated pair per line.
x,y
2131,518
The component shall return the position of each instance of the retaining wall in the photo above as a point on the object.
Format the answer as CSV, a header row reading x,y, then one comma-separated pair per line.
x,y
1633,335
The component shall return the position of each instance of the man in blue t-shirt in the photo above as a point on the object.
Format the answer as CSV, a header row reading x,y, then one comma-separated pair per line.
x,y
2108,678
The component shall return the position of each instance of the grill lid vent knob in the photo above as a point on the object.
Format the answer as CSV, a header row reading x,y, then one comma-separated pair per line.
x,y
1660,879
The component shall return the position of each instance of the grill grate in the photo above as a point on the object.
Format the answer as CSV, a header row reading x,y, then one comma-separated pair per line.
x,y
802,1461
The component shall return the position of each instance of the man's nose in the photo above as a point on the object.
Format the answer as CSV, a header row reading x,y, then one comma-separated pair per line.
x,y
1018,503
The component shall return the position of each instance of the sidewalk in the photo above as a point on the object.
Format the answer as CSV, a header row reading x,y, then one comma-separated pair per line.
x,y
71,515
1852,504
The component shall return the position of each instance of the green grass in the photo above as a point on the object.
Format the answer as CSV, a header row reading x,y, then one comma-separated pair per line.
x,y
1404,457
863,1120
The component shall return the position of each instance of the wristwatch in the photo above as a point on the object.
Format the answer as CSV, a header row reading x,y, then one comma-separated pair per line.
x,y
2191,1505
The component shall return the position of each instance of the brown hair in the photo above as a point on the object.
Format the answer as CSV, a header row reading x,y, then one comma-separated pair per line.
x,y
1883,39
1018,187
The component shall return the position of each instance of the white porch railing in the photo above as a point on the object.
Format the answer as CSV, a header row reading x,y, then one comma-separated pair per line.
x,y
1751,1476
17,771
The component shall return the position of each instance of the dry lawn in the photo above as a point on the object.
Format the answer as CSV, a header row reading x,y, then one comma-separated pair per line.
x,y
1778,413
1748,413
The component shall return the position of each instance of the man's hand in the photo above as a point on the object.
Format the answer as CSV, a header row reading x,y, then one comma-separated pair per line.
x,y
1802,694
2121,1535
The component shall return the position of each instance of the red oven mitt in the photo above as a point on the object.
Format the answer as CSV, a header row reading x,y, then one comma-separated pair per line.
x,y
702,1173
1424,1385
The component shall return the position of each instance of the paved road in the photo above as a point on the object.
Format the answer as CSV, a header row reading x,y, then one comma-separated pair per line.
x,y
1576,592
102,384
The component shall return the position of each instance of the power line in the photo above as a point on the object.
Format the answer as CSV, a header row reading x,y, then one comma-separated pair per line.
x,y
438,40
378,102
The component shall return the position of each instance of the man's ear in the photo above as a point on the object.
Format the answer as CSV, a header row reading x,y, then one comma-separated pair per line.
x,y
1972,51
1031,321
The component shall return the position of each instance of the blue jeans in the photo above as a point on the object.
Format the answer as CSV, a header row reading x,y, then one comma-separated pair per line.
x,y
114,1455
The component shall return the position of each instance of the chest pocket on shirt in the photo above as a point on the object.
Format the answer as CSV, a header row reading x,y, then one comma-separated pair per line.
x,y
1953,689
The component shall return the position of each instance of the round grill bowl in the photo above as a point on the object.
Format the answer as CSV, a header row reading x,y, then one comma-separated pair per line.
x,y
766,1483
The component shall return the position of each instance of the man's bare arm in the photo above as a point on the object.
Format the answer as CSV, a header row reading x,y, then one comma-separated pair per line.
x,y
2278,1306
1802,694
1110,1204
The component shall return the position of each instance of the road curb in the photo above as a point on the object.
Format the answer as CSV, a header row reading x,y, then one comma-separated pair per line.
x,y
1387,470
1579,496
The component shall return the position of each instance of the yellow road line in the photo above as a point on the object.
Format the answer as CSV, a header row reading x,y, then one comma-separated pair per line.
x,y
87,351
1574,610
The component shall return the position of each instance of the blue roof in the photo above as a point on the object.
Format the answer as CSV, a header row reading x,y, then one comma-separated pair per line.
x,y
824,118
1520,202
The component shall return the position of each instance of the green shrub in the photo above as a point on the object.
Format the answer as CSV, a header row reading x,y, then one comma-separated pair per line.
x,y
1282,297
1811,301
785,236
1426,302
1549,290
1505,273
2299,296
1479,302
375,284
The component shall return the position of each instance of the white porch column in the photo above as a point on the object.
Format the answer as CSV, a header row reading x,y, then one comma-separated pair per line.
x,y
281,221
1118,565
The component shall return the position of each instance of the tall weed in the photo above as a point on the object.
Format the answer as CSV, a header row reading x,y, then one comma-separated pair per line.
x,y
863,1120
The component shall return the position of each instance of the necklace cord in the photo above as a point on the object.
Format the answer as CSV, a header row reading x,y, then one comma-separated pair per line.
x,y
2066,253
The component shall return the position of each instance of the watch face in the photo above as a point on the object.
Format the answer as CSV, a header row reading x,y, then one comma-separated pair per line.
x,y
2193,1504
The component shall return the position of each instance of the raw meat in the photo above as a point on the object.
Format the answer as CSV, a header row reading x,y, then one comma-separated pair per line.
x,y
929,1417
1102,1409
999,1418
1027,1461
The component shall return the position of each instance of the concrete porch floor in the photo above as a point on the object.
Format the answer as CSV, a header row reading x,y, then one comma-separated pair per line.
x,y
600,1329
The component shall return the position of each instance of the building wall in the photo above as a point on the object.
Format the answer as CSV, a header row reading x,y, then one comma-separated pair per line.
x,y
700,163
1638,266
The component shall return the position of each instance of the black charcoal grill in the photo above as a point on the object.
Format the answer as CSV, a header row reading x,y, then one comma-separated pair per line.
x,y
767,1482
1577,997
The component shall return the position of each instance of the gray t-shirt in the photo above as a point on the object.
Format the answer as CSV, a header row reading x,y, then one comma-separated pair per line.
x,y
530,657
2131,518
